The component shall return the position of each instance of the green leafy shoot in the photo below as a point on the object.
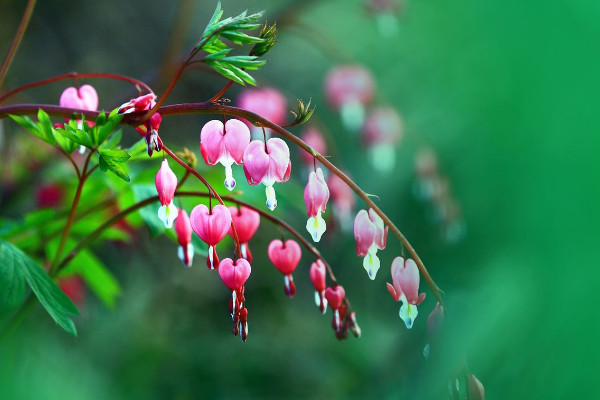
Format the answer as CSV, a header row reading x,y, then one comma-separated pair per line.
x,y
269,34
112,160
303,113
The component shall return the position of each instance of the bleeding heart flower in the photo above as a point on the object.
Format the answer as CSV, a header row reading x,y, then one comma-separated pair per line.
x,y
84,98
269,103
224,144
140,103
316,195
314,139
318,275
343,201
370,234
405,276
246,222
234,274
285,257
335,297
211,226
267,163
349,89
166,184
150,128
183,229
381,133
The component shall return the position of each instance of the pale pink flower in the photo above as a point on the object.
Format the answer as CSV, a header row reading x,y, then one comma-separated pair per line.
x,y
316,195
405,288
166,184
370,234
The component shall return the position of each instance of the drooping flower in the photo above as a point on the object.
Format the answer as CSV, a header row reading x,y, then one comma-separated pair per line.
x,y
183,230
370,234
316,195
234,275
269,103
314,139
211,226
405,288
285,256
267,163
350,88
246,222
83,98
382,131
343,201
140,103
224,144
150,128
166,183
318,275
434,325
335,297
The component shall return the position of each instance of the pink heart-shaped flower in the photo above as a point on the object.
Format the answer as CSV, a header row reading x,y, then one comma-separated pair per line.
x,y
211,227
234,274
335,296
285,256
224,143
84,98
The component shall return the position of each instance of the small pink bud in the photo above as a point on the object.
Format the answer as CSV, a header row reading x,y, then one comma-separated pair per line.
x,y
166,184
353,325
435,322
267,163
234,274
314,139
475,387
224,144
211,226
318,274
285,256
246,222
183,230
405,288
316,195
335,296
244,323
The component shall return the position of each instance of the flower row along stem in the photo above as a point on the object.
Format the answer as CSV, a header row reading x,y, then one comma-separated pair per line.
x,y
214,108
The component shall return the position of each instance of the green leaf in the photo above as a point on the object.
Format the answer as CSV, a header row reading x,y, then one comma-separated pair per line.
x,y
213,21
111,160
76,135
45,125
68,145
243,75
269,33
96,276
32,127
52,298
114,140
240,37
106,129
12,281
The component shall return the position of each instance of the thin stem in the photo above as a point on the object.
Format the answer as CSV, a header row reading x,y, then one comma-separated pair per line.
x,y
17,39
71,218
74,75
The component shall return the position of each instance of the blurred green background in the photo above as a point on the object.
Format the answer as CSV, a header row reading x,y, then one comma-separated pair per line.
x,y
506,94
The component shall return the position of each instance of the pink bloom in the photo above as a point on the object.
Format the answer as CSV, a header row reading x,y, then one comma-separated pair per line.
x,y
269,103
211,226
224,144
166,183
316,195
246,222
335,297
318,275
267,163
343,200
140,103
405,276
84,98
183,230
381,132
370,234
234,274
315,140
285,257
349,89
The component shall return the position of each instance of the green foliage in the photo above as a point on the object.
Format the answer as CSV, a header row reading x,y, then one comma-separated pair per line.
x,y
303,113
269,34
112,160
232,67
15,269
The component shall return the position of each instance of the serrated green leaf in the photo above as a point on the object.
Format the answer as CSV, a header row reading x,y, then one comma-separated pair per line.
x,y
104,131
78,136
52,298
32,127
111,160
243,75
240,37
218,55
213,21
226,72
113,141
248,62
96,276
116,155
45,125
